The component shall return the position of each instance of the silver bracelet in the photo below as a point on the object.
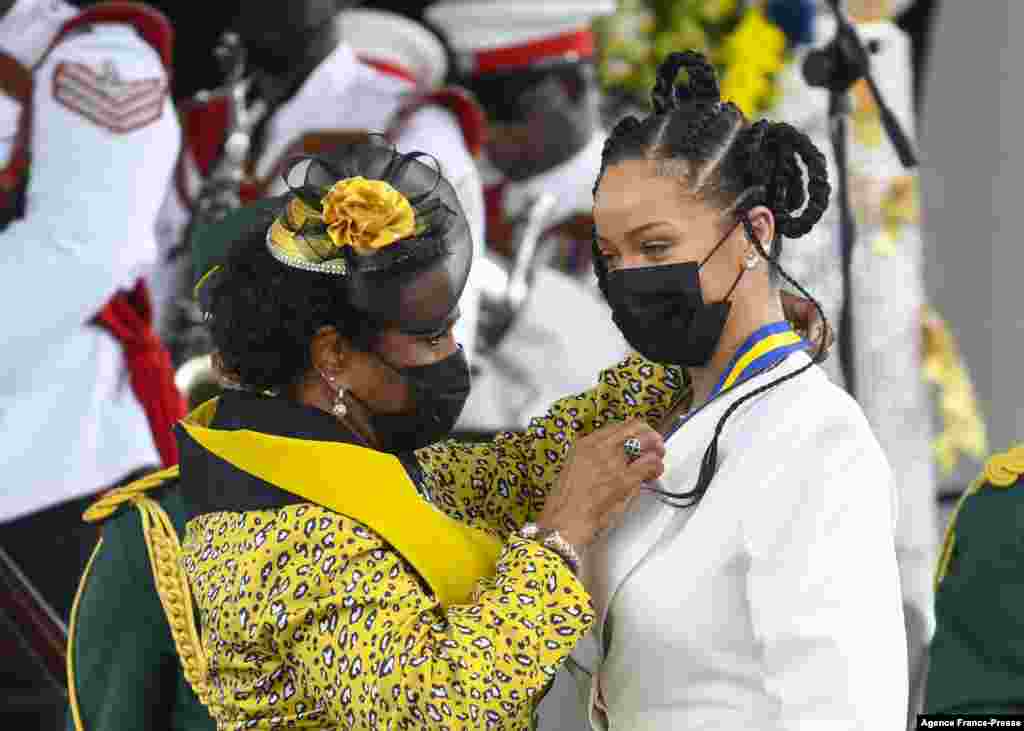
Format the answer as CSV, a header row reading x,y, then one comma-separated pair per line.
x,y
553,541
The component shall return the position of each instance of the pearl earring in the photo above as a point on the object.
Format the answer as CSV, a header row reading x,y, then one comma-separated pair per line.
x,y
751,261
338,408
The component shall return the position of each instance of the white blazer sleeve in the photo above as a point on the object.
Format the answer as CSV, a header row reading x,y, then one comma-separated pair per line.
x,y
436,131
104,141
823,583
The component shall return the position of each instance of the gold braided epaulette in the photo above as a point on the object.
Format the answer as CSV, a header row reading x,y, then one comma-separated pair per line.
x,y
170,580
109,502
1001,471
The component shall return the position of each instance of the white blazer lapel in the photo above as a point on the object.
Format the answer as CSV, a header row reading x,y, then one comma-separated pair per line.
x,y
619,553
612,559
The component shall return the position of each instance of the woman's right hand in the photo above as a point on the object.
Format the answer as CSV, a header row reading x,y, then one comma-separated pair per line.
x,y
597,481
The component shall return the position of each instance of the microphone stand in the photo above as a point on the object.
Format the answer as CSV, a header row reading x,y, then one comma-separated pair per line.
x,y
837,67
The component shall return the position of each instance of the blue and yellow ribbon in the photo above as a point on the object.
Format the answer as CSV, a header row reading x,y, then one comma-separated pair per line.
x,y
765,348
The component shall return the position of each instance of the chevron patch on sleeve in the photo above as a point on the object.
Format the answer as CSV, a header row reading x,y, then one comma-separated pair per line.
x,y
106,100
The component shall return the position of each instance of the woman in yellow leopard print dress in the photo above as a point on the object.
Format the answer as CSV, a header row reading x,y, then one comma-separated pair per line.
x,y
336,585
340,577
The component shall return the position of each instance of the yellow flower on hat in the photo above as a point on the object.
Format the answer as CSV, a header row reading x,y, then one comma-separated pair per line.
x,y
367,215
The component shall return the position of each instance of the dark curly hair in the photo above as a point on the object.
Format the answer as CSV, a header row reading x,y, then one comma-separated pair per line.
x,y
263,315
726,160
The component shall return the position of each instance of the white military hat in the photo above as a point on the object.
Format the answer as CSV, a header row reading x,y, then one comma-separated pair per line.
x,y
378,36
493,35
28,28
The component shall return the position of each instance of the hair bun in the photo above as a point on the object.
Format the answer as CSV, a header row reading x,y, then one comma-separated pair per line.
x,y
791,192
701,86
768,154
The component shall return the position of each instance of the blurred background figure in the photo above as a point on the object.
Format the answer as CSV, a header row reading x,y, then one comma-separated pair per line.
x,y
304,77
87,399
531,65
884,366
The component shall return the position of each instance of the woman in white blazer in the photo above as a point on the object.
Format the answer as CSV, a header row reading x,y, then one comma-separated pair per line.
x,y
755,585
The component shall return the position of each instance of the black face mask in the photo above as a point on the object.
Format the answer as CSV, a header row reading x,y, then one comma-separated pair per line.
x,y
439,391
660,310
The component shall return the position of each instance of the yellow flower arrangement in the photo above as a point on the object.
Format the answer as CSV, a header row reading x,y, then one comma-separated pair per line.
x,y
367,214
752,55
963,428
747,47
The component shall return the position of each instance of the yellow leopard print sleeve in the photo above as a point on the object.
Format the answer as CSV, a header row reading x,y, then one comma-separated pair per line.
x,y
310,620
500,485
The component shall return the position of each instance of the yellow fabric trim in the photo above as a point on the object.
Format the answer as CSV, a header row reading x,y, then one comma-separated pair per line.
x,y
1000,471
949,540
779,340
76,714
175,595
371,487
204,413
204,278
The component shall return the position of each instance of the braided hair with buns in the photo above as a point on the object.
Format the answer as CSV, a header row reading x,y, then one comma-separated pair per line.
x,y
724,160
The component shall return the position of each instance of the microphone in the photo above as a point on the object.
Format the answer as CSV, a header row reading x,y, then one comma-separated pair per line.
x,y
844,61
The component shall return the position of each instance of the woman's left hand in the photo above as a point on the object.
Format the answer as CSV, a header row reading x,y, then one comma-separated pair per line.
x,y
808,323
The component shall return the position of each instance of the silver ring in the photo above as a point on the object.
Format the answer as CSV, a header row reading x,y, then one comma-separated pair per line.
x,y
632,449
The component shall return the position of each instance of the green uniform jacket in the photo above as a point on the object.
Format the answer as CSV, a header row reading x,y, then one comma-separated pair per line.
x,y
124,671
977,655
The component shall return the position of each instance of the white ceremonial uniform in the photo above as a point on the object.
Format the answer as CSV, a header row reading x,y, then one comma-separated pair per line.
x,y
775,602
564,332
888,296
565,321
346,92
69,421
572,183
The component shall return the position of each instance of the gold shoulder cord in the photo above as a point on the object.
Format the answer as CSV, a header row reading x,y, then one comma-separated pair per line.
x,y
171,584
175,595
76,715
1001,471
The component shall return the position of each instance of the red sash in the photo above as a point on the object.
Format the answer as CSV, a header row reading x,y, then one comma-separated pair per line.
x,y
128,316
